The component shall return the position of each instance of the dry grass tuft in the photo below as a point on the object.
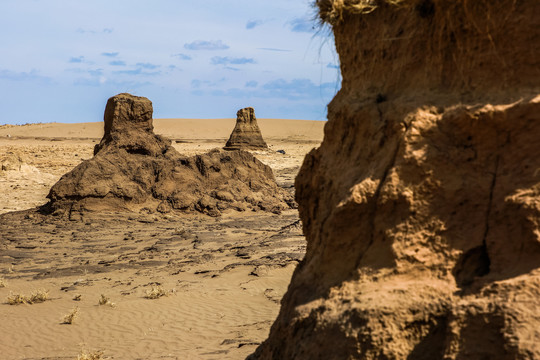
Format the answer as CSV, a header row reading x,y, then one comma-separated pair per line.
x,y
38,296
332,11
69,318
94,355
3,283
16,299
105,300
156,292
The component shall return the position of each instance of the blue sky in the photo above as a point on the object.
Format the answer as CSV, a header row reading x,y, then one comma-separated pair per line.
x,y
62,59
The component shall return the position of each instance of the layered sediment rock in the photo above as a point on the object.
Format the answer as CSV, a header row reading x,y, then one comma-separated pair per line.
x,y
246,133
129,126
134,169
421,208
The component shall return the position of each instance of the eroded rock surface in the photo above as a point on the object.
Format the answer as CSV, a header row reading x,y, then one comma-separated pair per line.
x,y
134,169
11,162
421,208
246,133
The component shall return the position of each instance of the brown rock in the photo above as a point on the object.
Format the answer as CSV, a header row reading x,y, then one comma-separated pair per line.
x,y
129,126
11,162
134,169
421,208
125,112
246,133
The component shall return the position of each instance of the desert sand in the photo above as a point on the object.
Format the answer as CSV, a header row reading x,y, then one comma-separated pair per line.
x,y
218,281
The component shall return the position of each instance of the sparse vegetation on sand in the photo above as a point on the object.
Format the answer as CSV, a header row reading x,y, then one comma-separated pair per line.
x,y
105,300
69,318
15,299
38,296
156,292
94,355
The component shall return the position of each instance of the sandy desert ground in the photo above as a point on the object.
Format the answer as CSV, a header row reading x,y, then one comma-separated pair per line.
x,y
218,281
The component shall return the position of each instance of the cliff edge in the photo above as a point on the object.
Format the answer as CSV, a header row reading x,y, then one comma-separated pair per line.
x,y
421,208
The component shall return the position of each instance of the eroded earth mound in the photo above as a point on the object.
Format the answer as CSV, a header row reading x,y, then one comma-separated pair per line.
x,y
421,208
134,169
246,133
11,162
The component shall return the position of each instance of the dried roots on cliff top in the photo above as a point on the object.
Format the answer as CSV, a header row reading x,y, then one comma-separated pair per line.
x,y
435,44
333,11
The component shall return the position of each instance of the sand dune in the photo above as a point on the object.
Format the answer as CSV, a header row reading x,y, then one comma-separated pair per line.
x,y
186,129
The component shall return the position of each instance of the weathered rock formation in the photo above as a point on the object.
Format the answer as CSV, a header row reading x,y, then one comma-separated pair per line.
x,y
134,169
11,162
246,133
421,208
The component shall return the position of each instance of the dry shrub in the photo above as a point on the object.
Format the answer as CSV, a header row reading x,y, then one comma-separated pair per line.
x,y
69,318
105,300
38,296
156,292
16,299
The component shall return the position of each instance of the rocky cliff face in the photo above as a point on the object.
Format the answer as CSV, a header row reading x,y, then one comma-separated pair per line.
x,y
421,208
134,169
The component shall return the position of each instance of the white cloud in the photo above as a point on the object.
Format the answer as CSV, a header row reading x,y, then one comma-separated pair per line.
x,y
206,45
